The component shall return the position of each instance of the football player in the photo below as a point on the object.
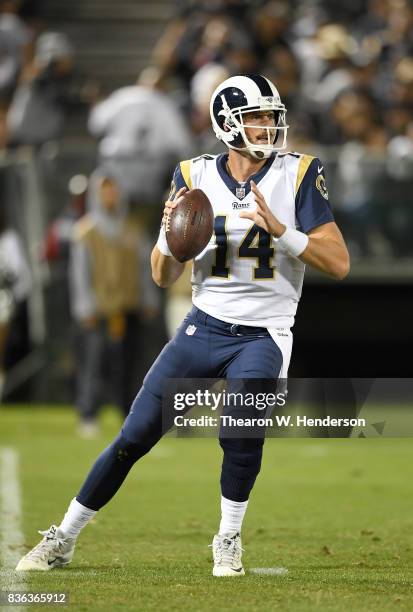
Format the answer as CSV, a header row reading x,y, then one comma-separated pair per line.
x,y
272,217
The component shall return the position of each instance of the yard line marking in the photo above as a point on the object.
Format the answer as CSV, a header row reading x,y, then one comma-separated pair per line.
x,y
269,571
11,536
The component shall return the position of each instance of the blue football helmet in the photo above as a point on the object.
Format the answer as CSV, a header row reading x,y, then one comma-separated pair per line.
x,y
239,95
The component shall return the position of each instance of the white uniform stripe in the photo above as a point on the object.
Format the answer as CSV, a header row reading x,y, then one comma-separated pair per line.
x,y
253,92
11,535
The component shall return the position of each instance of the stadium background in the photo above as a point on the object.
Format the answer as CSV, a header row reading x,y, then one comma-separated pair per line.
x,y
337,513
345,71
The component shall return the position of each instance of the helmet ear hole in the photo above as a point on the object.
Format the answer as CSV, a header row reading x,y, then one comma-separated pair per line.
x,y
228,125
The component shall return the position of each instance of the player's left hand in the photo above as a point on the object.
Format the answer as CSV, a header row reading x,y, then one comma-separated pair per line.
x,y
262,215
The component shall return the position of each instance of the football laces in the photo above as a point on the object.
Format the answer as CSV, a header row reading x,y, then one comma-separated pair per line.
x,y
168,222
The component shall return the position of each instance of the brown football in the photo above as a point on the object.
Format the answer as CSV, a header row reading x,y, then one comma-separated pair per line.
x,y
190,225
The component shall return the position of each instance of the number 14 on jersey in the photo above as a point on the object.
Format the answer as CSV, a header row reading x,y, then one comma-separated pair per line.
x,y
256,244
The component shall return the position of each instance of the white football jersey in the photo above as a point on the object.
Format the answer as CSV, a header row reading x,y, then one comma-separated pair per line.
x,y
243,276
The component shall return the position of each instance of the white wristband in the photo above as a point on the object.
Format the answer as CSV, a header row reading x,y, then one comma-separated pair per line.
x,y
162,243
294,241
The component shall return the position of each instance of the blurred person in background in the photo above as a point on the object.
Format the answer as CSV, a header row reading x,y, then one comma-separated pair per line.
x,y
396,185
285,67
13,24
398,36
238,53
143,135
403,83
40,102
393,195
9,69
212,42
111,290
374,19
198,35
341,64
15,38
55,256
390,42
271,30
333,48
203,83
15,285
399,119
360,163
15,46
59,233
345,12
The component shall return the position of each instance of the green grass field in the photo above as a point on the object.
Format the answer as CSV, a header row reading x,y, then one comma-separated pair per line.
x,y
338,514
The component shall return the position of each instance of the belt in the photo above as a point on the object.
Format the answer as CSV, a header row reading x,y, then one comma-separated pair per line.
x,y
247,330
232,328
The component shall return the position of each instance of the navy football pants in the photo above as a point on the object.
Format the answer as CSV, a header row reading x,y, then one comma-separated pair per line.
x,y
215,350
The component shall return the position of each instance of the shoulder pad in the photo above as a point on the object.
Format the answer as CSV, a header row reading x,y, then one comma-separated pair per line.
x,y
192,169
204,156
293,154
303,166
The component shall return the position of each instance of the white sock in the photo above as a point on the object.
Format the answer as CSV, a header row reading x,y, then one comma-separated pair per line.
x,y
232,515
76,517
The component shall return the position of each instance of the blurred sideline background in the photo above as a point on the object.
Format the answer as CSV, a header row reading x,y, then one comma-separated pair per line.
x,y
125,86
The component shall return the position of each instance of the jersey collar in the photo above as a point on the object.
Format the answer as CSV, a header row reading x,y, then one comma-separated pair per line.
x,y
232,184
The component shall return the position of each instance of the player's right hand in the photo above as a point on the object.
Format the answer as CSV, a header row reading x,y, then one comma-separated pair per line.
x,y
171,204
